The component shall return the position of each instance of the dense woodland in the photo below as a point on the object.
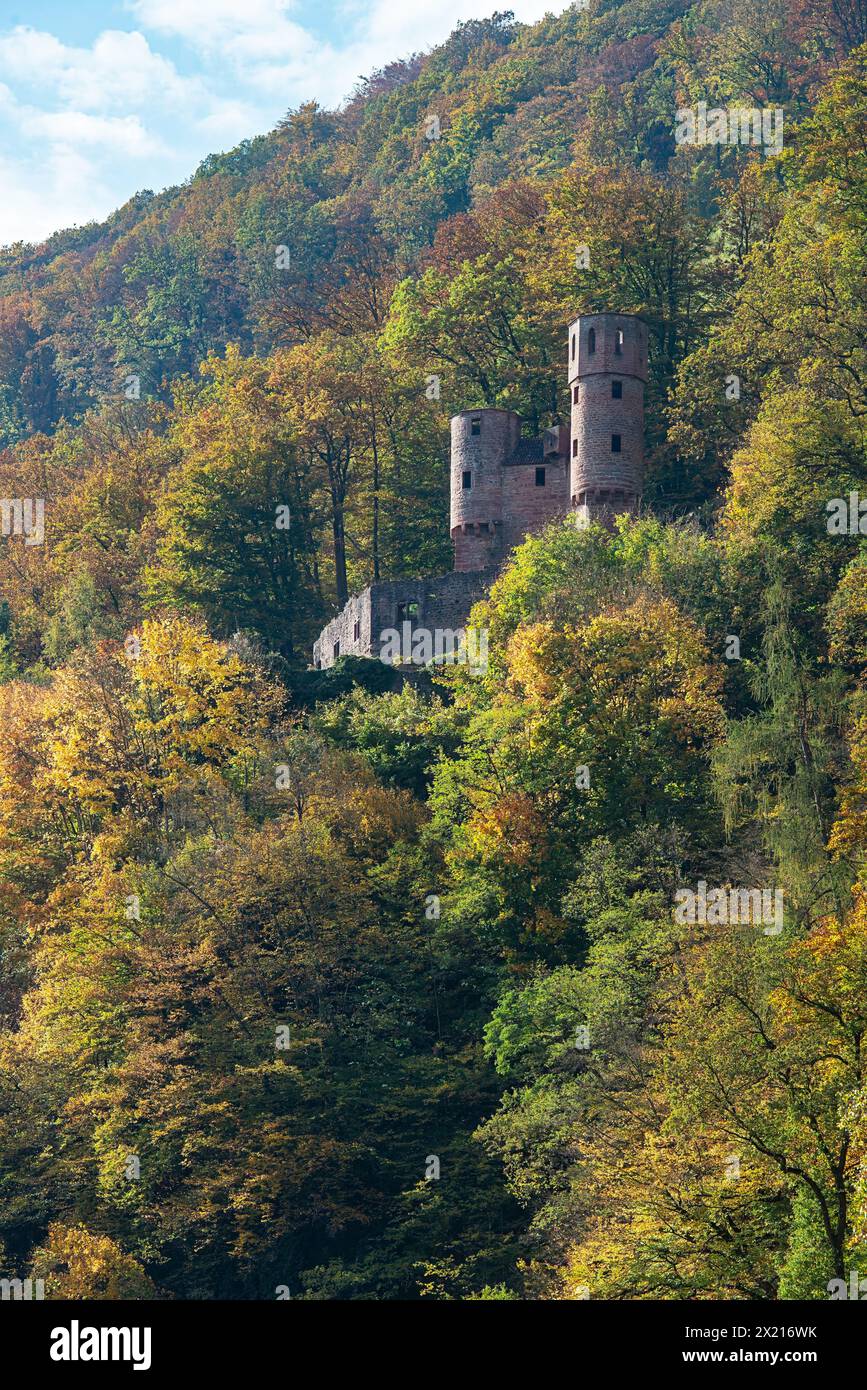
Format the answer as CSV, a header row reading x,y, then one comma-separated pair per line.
x,y
240,1013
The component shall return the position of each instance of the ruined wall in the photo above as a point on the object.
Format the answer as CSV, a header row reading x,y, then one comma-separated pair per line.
x,y
350,630
442,603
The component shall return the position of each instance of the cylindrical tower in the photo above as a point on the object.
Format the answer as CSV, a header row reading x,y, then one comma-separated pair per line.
x,y
607,373
482,440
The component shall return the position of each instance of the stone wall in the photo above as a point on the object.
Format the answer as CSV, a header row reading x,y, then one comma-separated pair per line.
x,y
349,634
527,508
478,546
439,604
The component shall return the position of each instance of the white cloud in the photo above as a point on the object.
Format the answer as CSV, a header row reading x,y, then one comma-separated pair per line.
x,y
65,189
206,22
264,48
124,134
119,70
229,122
80,119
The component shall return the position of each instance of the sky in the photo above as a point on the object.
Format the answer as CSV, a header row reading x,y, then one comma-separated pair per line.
x,y
102,98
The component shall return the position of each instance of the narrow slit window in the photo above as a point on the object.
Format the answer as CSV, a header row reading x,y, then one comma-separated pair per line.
x,y
356,631
540,477
336,650
615,443
574,448
618,343
466,480
574,395
573,347
591,341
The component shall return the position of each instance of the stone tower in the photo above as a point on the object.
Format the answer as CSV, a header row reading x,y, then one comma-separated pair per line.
x,y
607,374
482,440
504,488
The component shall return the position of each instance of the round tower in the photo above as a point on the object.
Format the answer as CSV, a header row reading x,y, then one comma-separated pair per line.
x,y
607,374
482,440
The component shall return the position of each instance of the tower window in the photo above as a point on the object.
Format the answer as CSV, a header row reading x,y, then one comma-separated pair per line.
x,y
574,395
591,341
540,477
615,443
617,390
356,631
618,342
406,611
466,480
573,347
336,652
574,448
476,426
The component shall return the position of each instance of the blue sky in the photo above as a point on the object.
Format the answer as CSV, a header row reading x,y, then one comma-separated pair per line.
x,y
100,98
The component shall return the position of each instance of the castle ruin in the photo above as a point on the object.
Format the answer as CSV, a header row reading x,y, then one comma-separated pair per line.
x,y
505,487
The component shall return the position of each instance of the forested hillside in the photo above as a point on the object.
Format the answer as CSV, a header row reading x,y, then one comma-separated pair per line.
x,y
312,986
